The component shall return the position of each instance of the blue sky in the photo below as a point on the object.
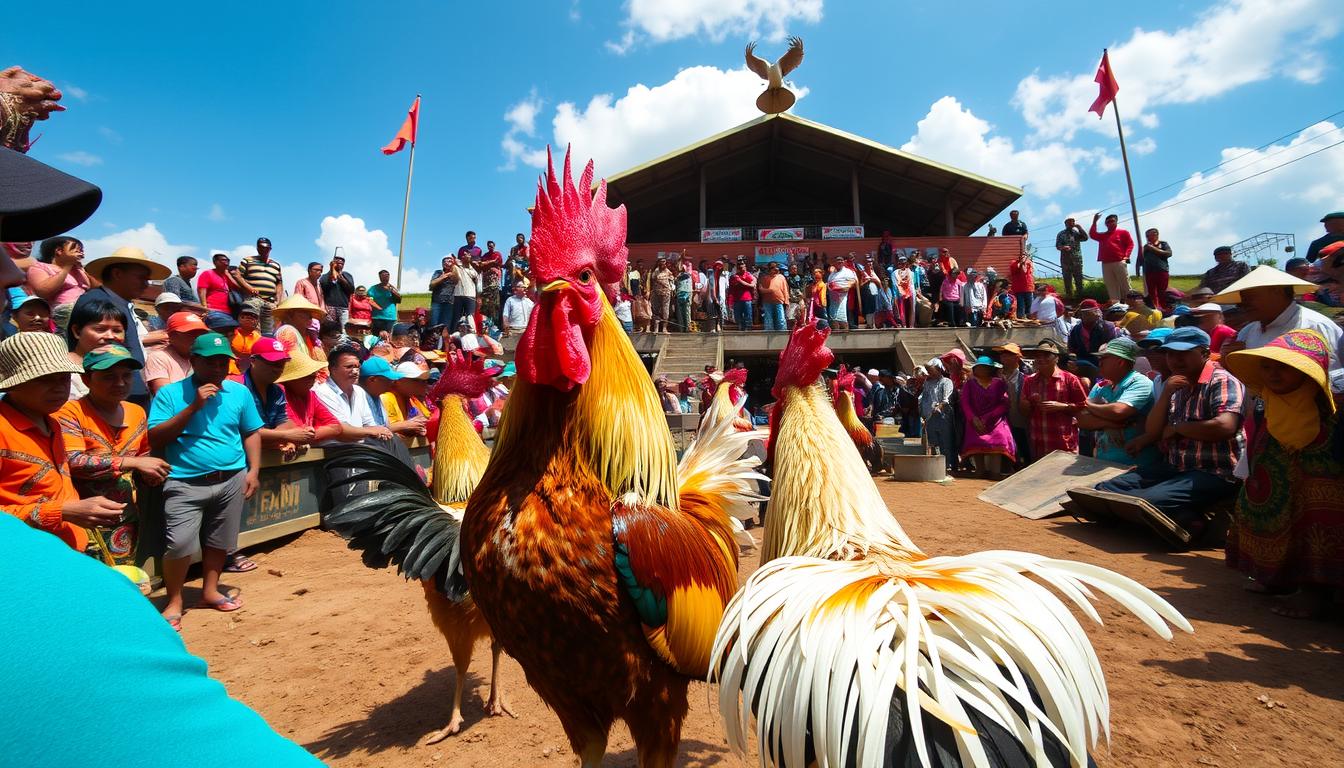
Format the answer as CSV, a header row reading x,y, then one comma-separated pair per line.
x,y
209,127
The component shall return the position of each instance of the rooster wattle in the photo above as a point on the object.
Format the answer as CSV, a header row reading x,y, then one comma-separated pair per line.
x,y
851,647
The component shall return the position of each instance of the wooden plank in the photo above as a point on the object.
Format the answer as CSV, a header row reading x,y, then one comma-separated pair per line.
x,y
1037,491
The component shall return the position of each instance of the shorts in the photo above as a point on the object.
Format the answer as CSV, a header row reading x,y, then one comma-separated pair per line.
x,y
206,510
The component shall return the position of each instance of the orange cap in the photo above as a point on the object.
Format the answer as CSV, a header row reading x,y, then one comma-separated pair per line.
x,y
184,322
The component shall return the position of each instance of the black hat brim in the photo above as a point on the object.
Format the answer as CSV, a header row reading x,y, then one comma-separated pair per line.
x,y
38,201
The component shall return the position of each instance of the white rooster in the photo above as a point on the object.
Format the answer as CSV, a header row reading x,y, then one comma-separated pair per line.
x,y
848,628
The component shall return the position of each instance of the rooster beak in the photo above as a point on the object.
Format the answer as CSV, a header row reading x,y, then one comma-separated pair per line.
x,y
554,285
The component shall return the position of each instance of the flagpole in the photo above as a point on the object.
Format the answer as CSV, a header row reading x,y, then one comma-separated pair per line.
x,y
406,206
1124,156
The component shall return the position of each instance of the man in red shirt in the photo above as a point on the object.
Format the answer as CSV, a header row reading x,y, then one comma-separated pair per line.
x,y
741,290
1114,247
1051,398
1022,282
1209,317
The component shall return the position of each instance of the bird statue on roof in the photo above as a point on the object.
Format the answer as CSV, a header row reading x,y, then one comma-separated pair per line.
x,y
776,97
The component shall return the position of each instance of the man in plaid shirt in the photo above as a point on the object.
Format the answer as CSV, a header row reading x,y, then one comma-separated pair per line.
x,y
1197,418
1051,397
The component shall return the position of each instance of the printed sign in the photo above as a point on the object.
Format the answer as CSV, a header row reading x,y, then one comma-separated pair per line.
x,y
780,233
780,253
847,232
721,235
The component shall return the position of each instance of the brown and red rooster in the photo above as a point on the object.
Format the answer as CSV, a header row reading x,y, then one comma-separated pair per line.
x,y
601,564
842,396
417,528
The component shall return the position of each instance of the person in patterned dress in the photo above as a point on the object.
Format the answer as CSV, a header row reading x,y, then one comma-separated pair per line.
x,y
1287,530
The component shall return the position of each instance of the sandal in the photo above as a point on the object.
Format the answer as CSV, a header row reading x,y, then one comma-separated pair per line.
x,y
226,605
174,621
239,564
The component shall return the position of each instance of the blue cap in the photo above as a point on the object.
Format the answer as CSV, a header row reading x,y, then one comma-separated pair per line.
x,y
1155,338
1186,338
1182,310
377,366
18,297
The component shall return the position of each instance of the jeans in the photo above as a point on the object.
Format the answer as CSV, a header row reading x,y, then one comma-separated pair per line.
x,y
742,313
463,306
1180,495
938,427
947,312
684,314
441,313
773,316
1022,303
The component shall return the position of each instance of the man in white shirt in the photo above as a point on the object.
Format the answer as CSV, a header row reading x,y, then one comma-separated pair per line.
x,y
517,310
1267,296
478,344
347,401
466,284
837,295
1047,309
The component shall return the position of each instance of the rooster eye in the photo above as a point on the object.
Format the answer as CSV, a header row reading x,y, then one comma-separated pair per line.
x,y
586,276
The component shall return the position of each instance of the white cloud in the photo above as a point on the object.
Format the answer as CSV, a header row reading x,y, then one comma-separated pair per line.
x,y
619,133
1290,199
216,213
660,21
80,157
1144,146
75,91
111,135
1228,46
522,120
147,238
366,251
952,134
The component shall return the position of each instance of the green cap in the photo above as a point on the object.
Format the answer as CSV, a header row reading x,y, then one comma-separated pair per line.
x,y
1332,215
107,356
211,345
1123,348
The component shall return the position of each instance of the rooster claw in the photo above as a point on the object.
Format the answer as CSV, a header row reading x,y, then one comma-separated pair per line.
x,y
451,729
499,707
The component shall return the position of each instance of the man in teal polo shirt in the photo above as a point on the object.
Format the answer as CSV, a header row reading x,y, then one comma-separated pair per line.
x,y
1118,404
207,426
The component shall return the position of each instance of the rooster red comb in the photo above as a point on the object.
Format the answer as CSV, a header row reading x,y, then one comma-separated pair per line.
x,y
844,380
572,227
803,360
466,378
736,376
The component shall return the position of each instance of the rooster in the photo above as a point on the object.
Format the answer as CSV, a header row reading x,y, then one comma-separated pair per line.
x,y
601,564
417,528
842,395
851,647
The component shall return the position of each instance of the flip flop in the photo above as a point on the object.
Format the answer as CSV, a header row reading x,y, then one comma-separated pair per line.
x,y
240,564
225,605
174,621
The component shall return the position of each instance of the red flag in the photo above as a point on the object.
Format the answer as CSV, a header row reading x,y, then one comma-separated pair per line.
x,y
1108,87
407,132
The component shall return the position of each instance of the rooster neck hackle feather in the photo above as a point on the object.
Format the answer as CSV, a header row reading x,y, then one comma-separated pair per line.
x,y
832,510
459,455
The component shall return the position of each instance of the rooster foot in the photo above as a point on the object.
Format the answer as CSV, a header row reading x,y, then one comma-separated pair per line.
x,y
498,707
451,729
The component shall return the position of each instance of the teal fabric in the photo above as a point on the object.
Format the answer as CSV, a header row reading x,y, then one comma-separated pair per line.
x,y
213,438
96,678
652,608
383,298
1135,390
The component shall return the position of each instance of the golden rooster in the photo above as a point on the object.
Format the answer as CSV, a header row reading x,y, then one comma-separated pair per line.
x,y
402,522
842,396
851,647
776,97
601,564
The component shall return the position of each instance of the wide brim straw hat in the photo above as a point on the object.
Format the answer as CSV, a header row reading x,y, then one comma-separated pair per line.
x,y
295,302
299,366
1263,276
28,355
127,254
1303,349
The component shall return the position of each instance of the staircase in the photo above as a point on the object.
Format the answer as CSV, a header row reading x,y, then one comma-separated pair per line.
x,y
918,348
687,354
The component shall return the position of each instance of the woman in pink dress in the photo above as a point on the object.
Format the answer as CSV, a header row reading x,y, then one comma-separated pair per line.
x,y
988,439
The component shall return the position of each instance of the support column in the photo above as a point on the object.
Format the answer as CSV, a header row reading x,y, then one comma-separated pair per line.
x,y
702,197
854,191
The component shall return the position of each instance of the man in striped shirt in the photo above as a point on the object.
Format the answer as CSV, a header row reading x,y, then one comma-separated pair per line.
x,y
1197,418
260,277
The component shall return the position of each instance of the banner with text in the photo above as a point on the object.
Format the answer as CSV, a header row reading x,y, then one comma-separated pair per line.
x,y
780,233
721,235
780,254
846,232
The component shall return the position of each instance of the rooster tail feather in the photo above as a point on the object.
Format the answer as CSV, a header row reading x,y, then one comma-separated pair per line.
x,y
714,468
397,522
851,663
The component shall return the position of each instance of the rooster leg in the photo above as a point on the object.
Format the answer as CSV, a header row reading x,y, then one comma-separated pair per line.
x,y
497,705
460,643
654,717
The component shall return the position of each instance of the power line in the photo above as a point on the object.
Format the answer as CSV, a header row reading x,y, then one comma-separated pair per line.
x,y
1233,159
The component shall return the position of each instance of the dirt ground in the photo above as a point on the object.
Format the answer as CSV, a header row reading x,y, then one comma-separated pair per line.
x,y
344,660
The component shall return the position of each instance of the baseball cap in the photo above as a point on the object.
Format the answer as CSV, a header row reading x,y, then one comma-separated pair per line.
x,y
107,356
1222,249
1186,338
401,329
872,372
251,307
1332,215
1209,307
409,370
211,345
377,366
1182,310
1086,304
1155,338
270,350
186,322
1122,348
18,297
1117,307
167,297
